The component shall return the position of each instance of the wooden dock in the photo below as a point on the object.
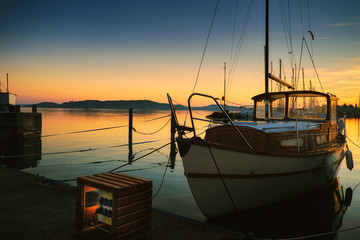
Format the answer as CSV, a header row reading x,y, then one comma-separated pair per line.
x,y
36,211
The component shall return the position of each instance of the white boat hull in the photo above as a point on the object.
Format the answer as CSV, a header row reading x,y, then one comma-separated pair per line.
x,y
225,182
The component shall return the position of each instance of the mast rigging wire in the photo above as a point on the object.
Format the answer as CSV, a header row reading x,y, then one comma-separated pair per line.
x,y
203,54
283,19
234,30
301,18
290,37
235,59
207,41
288,33
301,52
308,9
312,60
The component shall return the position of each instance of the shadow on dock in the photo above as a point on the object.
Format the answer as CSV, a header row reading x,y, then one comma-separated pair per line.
x,y
46,210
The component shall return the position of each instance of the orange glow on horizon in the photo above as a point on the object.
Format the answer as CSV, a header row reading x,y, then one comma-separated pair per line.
x,y
63,83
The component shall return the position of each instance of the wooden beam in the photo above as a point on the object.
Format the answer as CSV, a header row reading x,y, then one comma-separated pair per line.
x,y
281,81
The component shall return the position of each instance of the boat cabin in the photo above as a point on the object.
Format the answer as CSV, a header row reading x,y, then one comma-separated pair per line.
x,y
301,105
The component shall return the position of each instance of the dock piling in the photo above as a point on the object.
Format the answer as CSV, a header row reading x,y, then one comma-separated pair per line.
x,y
130,157
34,108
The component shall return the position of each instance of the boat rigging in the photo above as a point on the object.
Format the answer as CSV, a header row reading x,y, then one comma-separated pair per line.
x,y
293,146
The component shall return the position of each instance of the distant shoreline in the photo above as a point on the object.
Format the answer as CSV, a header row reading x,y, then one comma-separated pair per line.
x,y
121,104
349,110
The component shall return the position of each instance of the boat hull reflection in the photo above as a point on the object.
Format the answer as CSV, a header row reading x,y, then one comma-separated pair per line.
x,y
313,214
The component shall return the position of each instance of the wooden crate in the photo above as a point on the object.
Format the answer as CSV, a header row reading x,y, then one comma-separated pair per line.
x,y
131,204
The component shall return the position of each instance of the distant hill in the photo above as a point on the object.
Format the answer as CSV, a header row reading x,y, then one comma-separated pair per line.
x,y
122,104
135,104
348,110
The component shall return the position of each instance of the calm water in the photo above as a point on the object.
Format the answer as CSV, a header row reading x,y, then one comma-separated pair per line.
x,y
316,213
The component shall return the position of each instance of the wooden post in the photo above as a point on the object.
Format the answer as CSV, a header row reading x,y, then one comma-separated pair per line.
x,y
34,108
172,146
19,123
130,157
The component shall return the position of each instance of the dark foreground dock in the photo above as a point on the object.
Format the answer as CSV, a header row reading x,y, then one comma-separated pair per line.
x,y
31,210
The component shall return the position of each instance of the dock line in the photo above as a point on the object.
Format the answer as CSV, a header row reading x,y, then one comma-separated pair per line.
x,y
134,160
76,151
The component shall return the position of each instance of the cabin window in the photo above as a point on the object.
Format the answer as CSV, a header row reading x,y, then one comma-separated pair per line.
x,y
308,107
292,142
333,110
260,109
321,139
276,110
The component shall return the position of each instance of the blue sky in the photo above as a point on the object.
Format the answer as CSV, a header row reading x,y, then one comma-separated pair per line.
x,y
111,50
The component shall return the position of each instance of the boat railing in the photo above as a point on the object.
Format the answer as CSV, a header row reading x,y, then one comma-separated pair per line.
x,y
222,110
281,127
180,129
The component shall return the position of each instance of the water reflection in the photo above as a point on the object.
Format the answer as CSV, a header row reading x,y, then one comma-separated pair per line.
x,y
21,154
317,213
175,188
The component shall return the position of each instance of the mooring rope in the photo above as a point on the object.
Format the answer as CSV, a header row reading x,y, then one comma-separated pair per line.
x,y
134,160
100,129
137,131
353,142
163,178
76,151
169,115
222,178
85,131
316,235
155,150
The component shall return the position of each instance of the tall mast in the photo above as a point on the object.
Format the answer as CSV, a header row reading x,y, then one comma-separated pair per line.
x,y
7,82
280,74
267,60
224,84
303,77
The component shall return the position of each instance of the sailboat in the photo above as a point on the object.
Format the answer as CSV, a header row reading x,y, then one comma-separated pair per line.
x,y
294,146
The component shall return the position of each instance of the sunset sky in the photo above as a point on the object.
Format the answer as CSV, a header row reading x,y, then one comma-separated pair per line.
x,y
63,50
